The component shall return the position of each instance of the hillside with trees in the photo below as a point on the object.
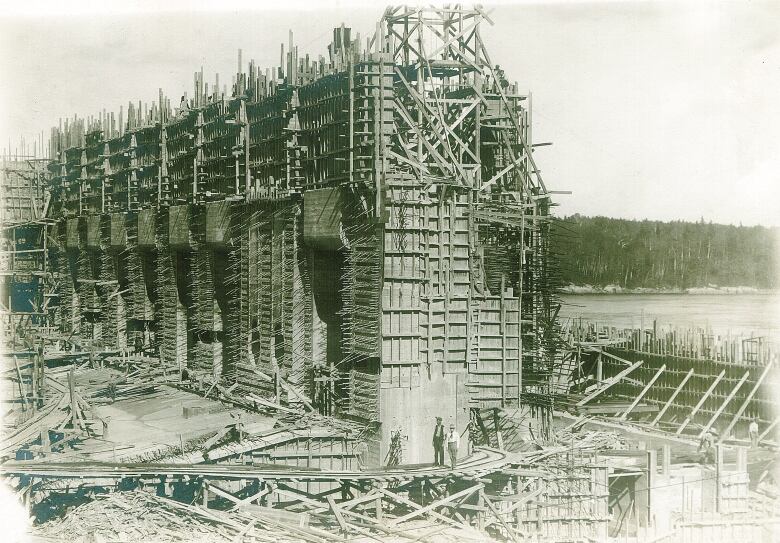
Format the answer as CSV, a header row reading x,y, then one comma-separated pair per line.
x,y
601,251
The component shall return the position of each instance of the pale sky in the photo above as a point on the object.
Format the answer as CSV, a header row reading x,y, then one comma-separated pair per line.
x,y
659,110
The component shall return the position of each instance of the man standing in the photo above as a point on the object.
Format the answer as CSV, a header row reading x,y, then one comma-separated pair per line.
x,y
753,433
438,443
452,445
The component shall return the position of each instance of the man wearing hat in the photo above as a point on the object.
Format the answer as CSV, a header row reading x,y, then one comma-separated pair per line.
x,y
438,443
452,444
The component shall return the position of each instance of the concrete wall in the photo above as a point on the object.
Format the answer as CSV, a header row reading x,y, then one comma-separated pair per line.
x,y
411,398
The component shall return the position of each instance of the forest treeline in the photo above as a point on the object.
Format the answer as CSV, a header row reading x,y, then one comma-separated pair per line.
x,y
602,251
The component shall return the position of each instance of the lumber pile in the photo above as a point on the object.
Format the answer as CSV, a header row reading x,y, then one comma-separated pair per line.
x,y
140,516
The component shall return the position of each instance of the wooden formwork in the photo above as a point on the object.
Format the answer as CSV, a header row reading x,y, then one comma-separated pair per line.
x,y
695,381
352,232
26,274
171,345
23,181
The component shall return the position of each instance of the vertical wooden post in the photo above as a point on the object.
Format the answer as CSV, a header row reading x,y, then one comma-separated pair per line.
x,y
718,474
277,384
652,465
351,164
742,459
27,498
480,514
34,381
22,393
667,460
74,411
308,450
499,437
539,523
42,375
599,368
502,331
45,443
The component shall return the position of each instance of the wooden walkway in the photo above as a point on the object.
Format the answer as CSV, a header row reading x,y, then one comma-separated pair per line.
x,y
481,462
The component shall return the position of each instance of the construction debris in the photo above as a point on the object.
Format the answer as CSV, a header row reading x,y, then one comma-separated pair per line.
x,y
238,319
141,516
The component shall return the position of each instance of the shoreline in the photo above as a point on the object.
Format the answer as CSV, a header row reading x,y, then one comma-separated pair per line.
x,y
616,289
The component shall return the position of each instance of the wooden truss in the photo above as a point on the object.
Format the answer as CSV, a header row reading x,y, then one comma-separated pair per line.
x,y
489,493
451,99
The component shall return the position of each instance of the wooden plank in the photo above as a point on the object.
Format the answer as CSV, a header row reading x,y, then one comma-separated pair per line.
x,y
745,403
768,429
376,524
509,530
617,409
216,437
644,391
300,396
337,514
224,493
293,493
21,384
615,357
672,397
323,506
355,514
74,409
400,499
287,387
610,382
701,402
371,496
248,501
523,500
273,405
725,403
439,503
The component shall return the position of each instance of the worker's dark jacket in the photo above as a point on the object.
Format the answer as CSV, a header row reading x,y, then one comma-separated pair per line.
x,y
438,435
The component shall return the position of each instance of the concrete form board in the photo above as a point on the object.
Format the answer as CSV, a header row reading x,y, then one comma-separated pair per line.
x,y
118,230
322,219
147,223
72,233
94,223
179,227
218,223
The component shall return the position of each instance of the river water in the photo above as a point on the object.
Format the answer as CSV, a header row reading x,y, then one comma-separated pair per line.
x,y
735,314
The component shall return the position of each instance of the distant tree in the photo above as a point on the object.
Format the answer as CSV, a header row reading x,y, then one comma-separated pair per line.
x,y
602,251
